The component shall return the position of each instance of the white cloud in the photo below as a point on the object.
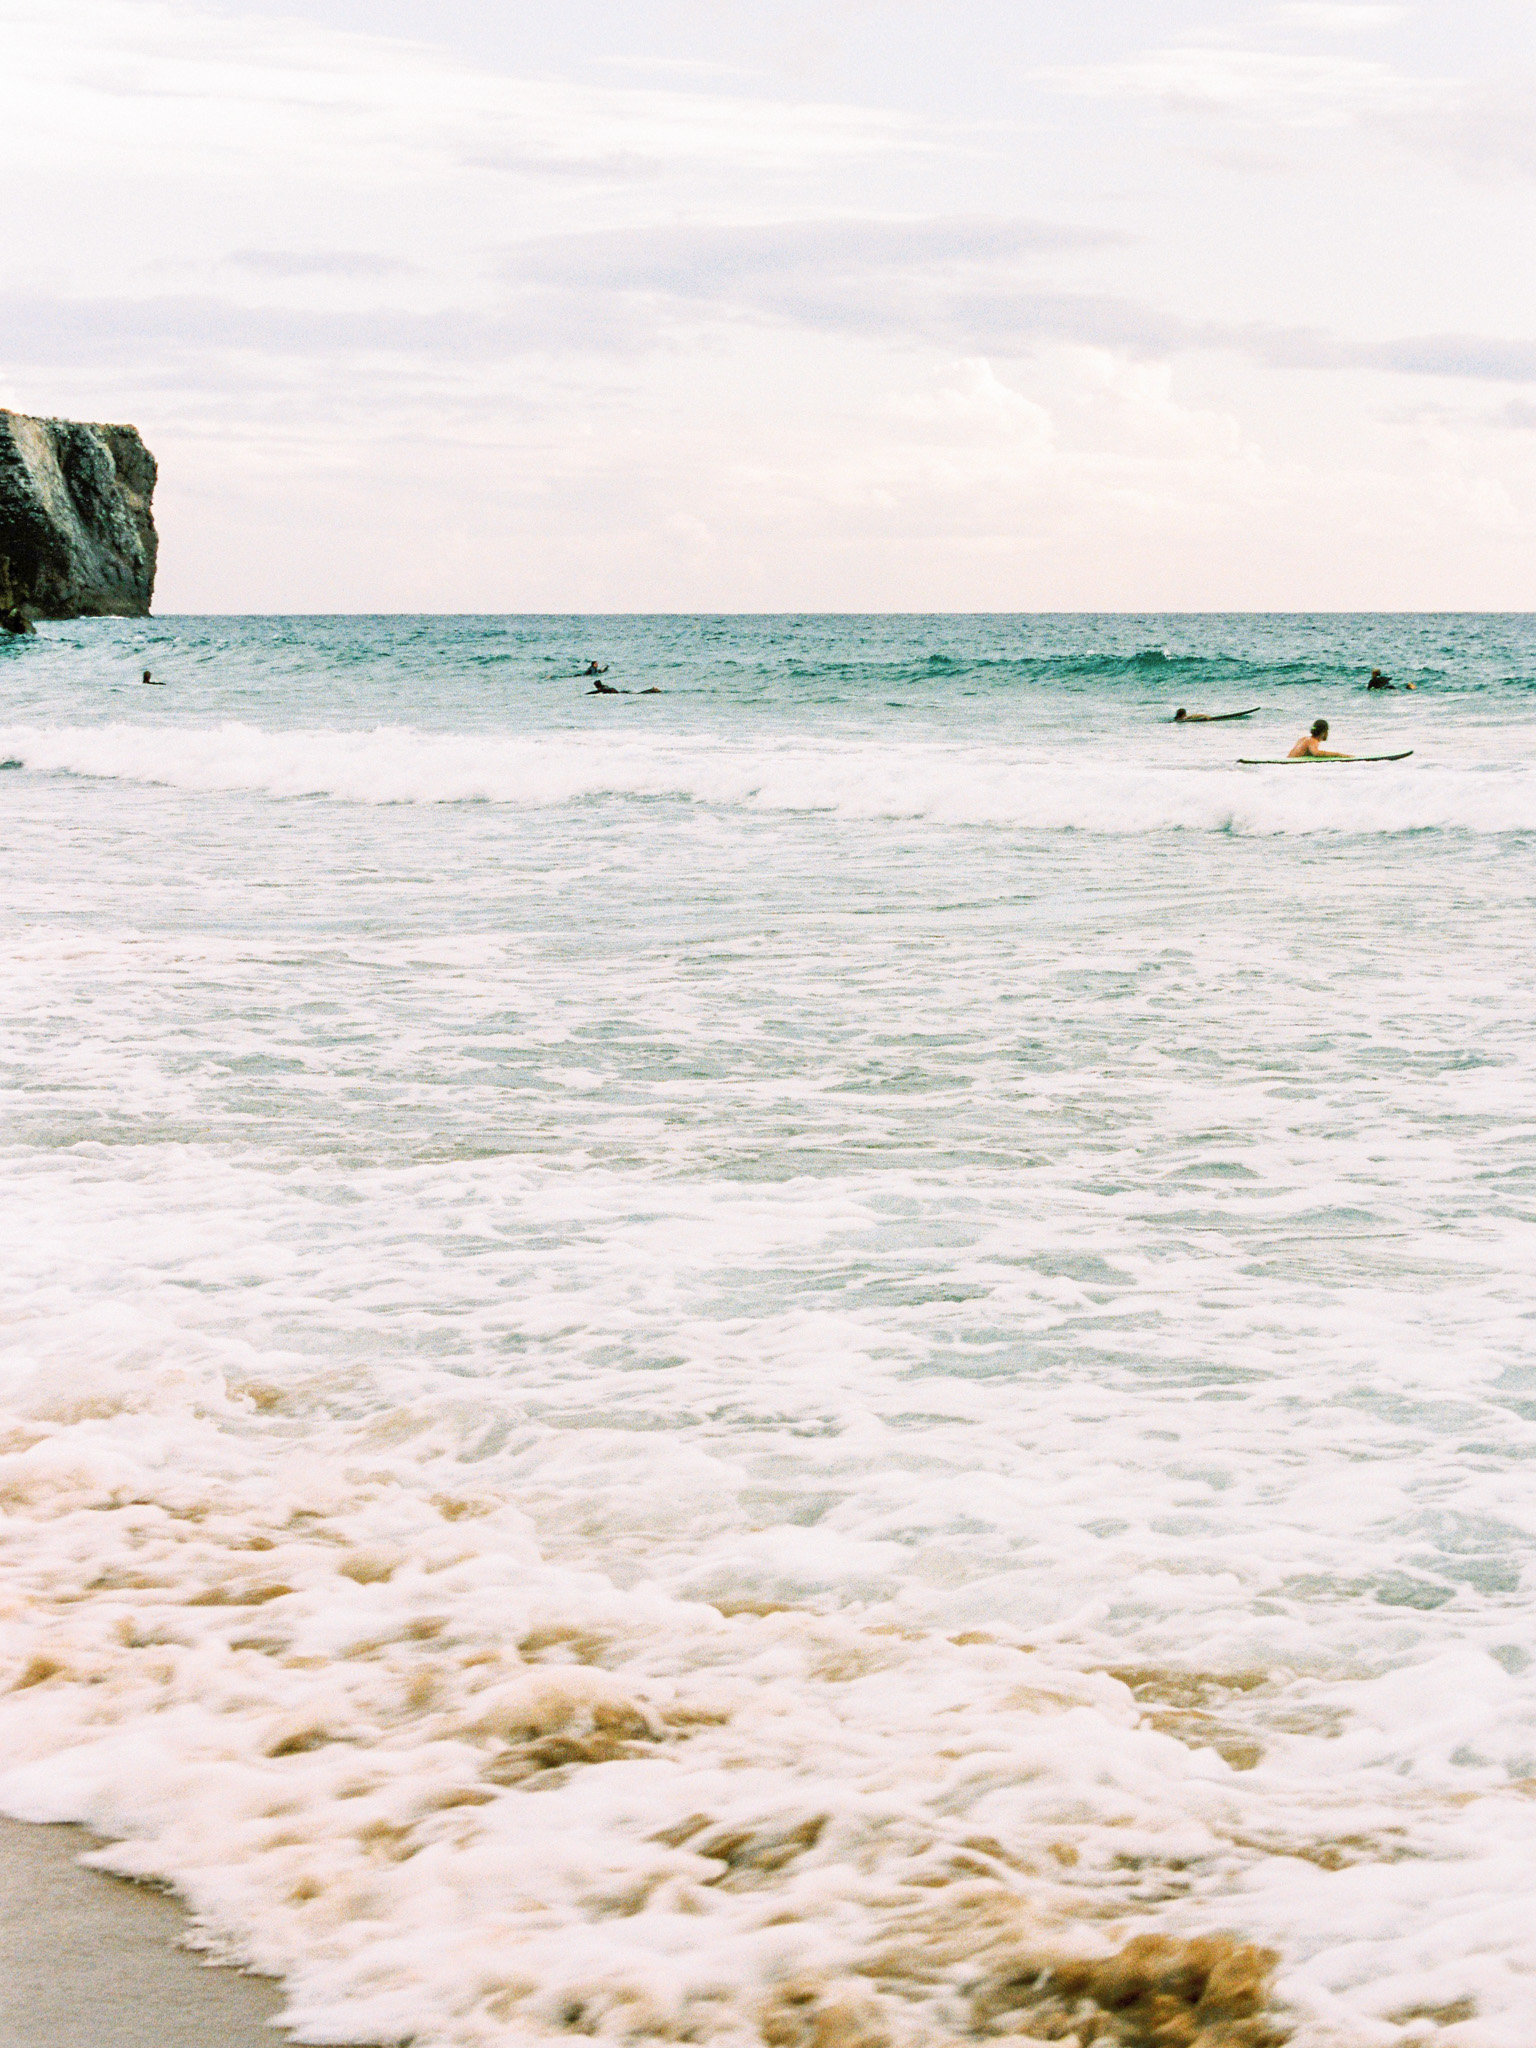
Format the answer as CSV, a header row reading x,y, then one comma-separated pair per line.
x,y
317,262
1483,125
1255,85
1073,428
707,258
172,76
1488,129
1338,18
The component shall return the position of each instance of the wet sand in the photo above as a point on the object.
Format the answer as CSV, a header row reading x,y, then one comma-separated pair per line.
x,y
89,1961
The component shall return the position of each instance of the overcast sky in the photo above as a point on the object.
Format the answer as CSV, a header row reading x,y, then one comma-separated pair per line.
x,y
504,305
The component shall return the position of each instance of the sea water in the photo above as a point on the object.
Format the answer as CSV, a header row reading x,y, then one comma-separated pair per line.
x,y
752,1364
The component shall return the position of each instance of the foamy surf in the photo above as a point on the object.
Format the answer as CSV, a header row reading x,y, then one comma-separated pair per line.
x,y
454,1795
921,781
687,1375
284,1625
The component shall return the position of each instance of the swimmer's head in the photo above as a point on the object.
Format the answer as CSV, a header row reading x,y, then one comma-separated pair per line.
x,y
1181,712
1319,728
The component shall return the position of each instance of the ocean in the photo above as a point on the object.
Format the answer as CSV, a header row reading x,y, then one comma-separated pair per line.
x,y
777,1363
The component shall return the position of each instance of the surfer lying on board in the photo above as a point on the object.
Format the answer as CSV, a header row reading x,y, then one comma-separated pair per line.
x,y
1183,717
607,690
1310,746
1380,682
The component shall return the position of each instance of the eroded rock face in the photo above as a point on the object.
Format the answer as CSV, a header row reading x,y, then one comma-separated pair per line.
x,y
77,538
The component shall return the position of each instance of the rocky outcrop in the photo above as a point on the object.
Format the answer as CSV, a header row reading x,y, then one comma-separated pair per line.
x,y
77,538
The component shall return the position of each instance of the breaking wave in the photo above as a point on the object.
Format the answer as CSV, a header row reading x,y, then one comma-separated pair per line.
x,y
942,784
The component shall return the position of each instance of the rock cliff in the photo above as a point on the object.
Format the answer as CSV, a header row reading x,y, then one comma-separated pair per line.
x,y
76,534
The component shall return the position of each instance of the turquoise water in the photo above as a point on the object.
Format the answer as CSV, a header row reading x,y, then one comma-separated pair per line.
x,y
633,1223
794,673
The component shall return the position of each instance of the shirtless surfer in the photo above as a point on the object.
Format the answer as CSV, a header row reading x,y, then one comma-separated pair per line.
x,y
1183,717
1310,746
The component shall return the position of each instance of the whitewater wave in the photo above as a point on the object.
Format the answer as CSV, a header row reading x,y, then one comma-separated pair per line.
x,y
939,784
455,1794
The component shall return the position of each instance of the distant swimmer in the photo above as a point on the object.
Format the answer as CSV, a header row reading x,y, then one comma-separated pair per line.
x,y
1380,682
1311,747
592,669
148,678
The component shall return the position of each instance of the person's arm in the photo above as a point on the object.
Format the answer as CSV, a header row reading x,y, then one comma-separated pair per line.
x,y
1328,754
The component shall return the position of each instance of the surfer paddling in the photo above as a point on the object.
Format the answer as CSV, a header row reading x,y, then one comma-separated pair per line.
x,y
1380,682
1183,717
1310,746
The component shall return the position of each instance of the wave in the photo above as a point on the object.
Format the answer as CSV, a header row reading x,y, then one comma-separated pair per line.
x,y
920,781
1153,665
283,1631
509,1802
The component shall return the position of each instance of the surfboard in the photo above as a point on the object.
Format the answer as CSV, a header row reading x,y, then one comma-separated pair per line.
x,y
1297,760
1215,717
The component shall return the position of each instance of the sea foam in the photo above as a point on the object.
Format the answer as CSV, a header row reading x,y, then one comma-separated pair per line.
x,y
724,1369
939,783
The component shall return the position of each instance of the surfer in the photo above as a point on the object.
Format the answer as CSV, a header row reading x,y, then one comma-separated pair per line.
x,y
1380,682
592,669
1310,745
600,688
148,678
1183,717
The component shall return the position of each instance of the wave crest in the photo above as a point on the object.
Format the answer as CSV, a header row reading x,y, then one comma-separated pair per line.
x,y
918,780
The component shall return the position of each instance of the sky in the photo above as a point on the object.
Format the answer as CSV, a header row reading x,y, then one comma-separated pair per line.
x,y
756,305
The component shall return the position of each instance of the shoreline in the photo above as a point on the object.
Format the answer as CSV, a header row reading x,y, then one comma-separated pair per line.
x,y
93,1961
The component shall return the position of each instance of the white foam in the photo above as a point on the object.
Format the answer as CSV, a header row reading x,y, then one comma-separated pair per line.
x,y
942,783
525,1339
284,1625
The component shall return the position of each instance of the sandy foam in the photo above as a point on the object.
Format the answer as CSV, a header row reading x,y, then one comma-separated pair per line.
x,y
451,1791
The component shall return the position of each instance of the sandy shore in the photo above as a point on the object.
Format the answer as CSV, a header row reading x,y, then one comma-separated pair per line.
x,y
88,1961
